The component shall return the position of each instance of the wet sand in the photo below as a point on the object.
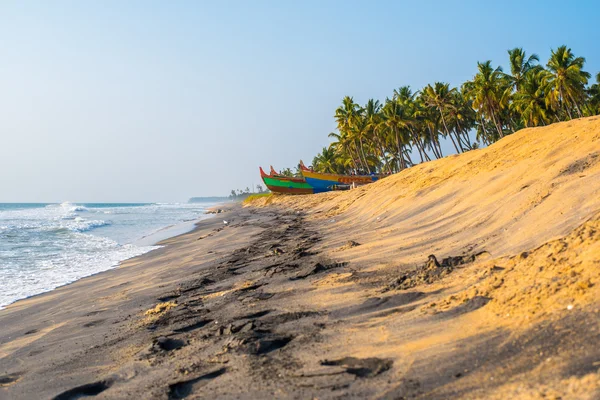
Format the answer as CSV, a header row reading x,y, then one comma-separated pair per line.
x,y
430,284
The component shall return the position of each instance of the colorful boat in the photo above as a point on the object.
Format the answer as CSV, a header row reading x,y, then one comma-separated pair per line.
x,y
287,185
325,182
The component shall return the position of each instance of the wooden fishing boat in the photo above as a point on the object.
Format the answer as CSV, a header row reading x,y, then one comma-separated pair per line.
x,y
324,181
284,184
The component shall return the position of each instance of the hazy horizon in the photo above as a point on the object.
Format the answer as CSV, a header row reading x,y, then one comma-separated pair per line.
x,y
159,102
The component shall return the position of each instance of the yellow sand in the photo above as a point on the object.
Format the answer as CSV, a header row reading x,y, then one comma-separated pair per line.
x,y
531,201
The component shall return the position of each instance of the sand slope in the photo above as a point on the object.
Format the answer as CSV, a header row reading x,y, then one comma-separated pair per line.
x,y
529,207
530,187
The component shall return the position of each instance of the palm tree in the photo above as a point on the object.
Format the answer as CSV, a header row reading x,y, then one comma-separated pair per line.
x,y
287,172
404,95
568,80
376,128
359,133
410,110
461,118
428,121
530,100
439,97
325,161
347,117
520,65
594,97
397,121
343,148
486,90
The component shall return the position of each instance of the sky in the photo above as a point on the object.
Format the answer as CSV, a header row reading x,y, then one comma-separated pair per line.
x,y
159,101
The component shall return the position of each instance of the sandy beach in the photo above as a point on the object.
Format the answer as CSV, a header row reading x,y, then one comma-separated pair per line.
x,y
473,276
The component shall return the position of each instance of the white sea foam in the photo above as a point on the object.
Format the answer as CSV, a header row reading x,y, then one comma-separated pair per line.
x,y
43,247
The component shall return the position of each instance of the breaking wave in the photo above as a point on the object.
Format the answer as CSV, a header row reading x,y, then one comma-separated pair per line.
x,y
46,246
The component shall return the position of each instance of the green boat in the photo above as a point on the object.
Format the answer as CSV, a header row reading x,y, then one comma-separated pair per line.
x,y
286,185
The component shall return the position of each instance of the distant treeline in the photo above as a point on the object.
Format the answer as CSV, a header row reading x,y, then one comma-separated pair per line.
x,y
387,137
238,194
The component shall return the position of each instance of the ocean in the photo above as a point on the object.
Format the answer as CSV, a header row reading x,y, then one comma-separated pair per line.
x,y
43,246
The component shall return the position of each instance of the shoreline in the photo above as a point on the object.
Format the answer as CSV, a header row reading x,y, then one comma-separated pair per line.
x,y
30,312
154,239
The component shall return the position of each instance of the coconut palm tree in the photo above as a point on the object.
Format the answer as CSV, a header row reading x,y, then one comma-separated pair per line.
x,y
568,81
428,120
593,103
487,91
376,128
326,161
461,118
530,100
287,172
398,122
520,65
439,97
410,109
349,122
345,153
359,133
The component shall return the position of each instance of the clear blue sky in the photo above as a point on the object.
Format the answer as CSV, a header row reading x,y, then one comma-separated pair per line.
x,y
161,101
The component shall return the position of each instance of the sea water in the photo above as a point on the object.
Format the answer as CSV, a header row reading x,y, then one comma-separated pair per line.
x,y
43,246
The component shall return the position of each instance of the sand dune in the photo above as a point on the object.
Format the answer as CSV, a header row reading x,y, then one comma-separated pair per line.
x,y
529,207
528,188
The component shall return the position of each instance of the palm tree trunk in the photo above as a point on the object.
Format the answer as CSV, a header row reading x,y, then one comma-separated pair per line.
x,y
362,150
576,106
498,128
398,149
431,142
408,157
485,134
447,132
461,145
352,158
436,152
463,142
358,156
420,154
465,133
564,104
402,161
420,145
436,140
382,150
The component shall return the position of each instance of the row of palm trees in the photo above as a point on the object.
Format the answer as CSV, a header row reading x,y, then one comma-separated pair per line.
x,y
409,127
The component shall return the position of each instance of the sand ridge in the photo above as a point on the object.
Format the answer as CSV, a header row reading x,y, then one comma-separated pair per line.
x,y
524,190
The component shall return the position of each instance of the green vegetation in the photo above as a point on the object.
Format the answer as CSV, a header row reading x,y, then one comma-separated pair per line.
x,y
382,137
243,194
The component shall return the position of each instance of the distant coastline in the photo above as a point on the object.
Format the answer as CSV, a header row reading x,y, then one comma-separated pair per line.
x,y
211,199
